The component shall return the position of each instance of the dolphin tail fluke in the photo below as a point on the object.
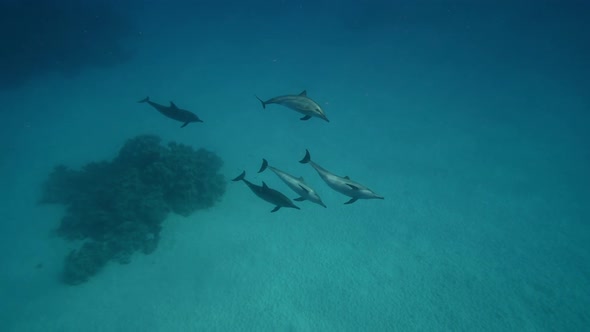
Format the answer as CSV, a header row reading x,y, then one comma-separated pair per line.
x,y
144,100
240,177
261,101
307,157
263,166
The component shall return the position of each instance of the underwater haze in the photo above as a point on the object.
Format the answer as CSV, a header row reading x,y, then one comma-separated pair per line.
x,y
470,118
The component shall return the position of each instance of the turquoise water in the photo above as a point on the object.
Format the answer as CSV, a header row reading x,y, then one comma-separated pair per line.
x,y
471,120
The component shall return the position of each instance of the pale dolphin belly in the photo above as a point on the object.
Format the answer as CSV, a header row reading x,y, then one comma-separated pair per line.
x,y
337,184
301,106
289,181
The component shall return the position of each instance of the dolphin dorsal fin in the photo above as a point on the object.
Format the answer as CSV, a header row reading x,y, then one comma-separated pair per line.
x,y
303,93
172,105
301,179
264,185
347,178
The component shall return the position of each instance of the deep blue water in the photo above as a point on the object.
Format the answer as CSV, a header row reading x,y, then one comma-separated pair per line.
x,y
470,118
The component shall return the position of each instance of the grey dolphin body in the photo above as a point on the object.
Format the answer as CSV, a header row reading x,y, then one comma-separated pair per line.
x,y
343,185
268,194
298,185
300,103
173,112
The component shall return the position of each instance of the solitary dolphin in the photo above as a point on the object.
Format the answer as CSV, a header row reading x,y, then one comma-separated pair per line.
x,y
300,103
343,185
297,184
268,194
173,112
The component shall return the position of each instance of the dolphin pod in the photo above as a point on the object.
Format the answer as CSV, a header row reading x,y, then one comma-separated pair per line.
x,y
300,103
341,184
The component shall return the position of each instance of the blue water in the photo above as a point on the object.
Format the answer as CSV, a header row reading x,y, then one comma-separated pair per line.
x,y
471,119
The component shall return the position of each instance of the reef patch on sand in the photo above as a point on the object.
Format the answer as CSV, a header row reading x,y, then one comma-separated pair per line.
x,y
115,208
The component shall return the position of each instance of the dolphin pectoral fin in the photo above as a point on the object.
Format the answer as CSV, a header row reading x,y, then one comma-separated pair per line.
x,y
275,209
299,199
144,100
305,118
263,166
352,186
304,189
352,200
262,101
303,93
184,125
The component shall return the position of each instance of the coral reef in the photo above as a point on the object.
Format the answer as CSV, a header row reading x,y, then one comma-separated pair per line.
x,y
117,207
64,36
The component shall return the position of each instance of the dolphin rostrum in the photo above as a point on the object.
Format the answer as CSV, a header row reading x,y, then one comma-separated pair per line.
x,y
173,112
268,194
298,185
343,185
300,103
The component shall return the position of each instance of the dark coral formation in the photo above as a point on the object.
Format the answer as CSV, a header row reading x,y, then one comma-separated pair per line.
x,y
41,36
117,207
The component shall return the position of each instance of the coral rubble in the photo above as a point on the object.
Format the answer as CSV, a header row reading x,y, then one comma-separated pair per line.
x,y
117,207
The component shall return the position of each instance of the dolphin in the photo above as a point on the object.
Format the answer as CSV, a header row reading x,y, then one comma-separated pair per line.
x,y
268,194
298,185
343,185
300,103
173,112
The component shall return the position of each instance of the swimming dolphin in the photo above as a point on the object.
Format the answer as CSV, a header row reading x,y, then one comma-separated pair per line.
x,y
268,194
173,112
343,185
298,185
300,103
